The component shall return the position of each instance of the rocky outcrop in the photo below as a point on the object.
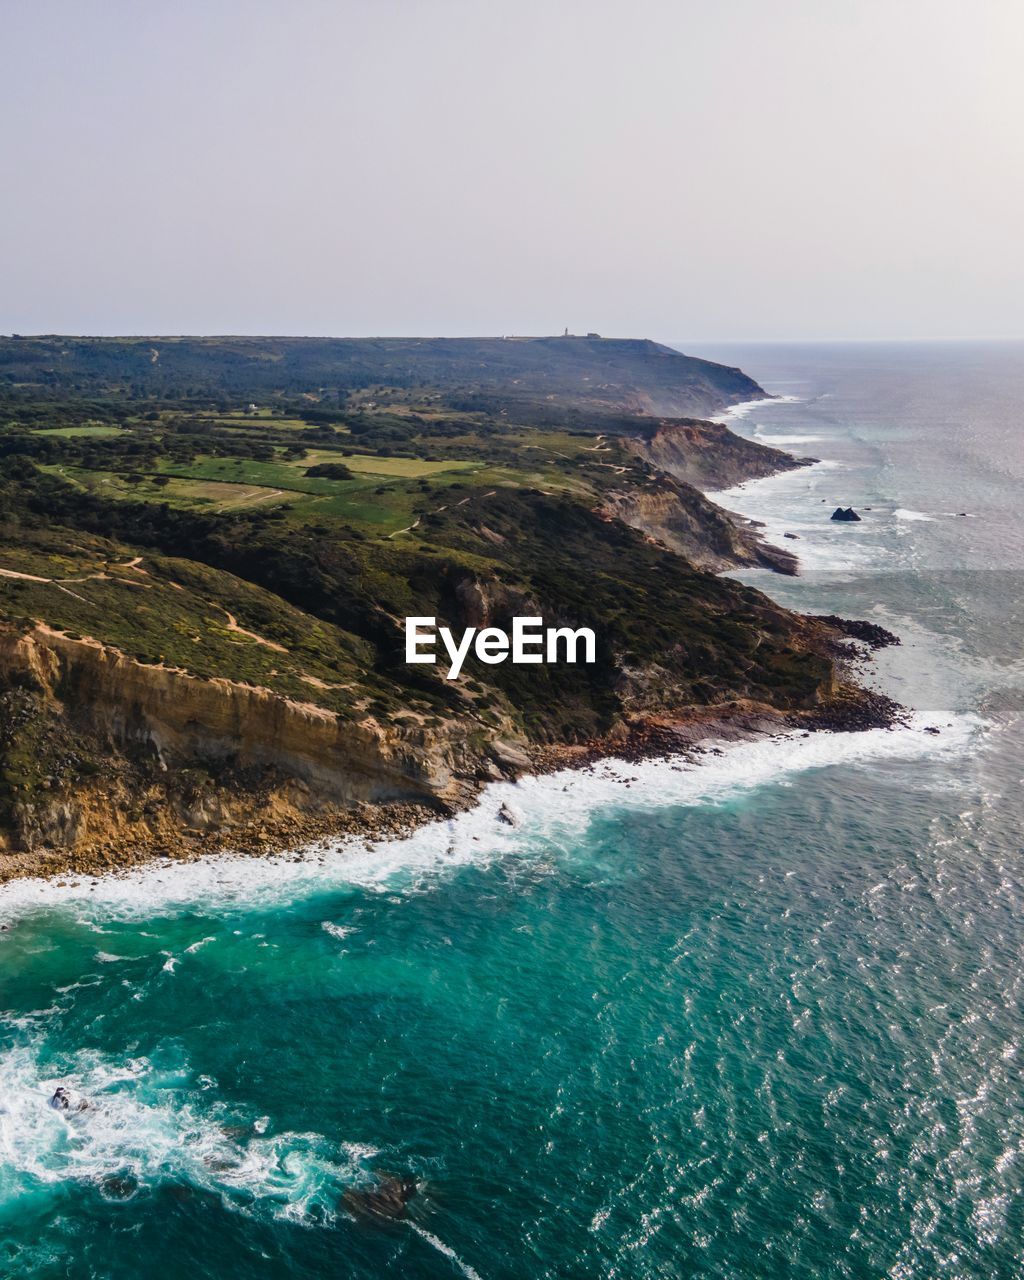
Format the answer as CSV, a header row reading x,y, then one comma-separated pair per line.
x,y
679,517
845,513
107,761
866,633
708,455
161,745
387,1197
691,456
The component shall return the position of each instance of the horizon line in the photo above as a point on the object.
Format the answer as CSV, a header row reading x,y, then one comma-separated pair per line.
x,y
15,335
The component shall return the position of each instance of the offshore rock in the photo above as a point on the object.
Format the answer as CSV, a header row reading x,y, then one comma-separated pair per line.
x,y
387,1198
68,1100
508,816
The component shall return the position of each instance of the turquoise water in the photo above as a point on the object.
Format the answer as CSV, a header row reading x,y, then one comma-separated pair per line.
x,y
756,1018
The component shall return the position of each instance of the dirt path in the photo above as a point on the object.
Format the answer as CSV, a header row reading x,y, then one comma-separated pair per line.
x,y
437,511
52,582
233,626
263,497
408,528
28,577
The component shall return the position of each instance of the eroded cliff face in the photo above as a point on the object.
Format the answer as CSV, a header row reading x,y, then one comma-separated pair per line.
x,y
690,457
100,746
682,519
707,454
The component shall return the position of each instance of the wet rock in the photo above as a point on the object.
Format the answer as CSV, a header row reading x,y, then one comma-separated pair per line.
x,y
386,1198
508,816
120,1186
869,633
794,536
178,1191
67,1100
845,513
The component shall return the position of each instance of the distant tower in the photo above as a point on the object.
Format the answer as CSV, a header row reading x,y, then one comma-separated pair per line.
x,y
566,334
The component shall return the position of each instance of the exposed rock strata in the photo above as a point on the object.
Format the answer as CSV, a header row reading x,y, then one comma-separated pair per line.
x,y
708,455
687,457
684,520
188,766
152,750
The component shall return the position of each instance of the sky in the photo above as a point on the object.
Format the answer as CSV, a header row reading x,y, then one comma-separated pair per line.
x,y
705,170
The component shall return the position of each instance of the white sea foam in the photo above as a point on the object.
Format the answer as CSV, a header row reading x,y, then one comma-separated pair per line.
x,y
801,502
787,483
767,437
145,1125
446,1250
339,931
554,809
901,513
196,945
746,407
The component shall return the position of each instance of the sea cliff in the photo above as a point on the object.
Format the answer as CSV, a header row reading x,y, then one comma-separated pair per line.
x,y
202,600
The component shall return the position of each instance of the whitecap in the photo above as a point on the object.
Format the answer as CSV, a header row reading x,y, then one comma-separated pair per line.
x,y
765,437
152,1125
745,407
191,950
555,810
446,1250
338,931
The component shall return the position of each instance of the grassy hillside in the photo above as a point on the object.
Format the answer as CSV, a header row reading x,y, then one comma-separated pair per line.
x,y
277,542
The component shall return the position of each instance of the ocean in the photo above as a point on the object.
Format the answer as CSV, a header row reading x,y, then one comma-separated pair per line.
x,y
755,1017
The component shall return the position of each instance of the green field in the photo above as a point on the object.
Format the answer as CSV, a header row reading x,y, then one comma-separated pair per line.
x,y
355,501
97,432
385,494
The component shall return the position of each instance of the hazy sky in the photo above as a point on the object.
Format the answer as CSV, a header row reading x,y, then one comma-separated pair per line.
x,y
683,169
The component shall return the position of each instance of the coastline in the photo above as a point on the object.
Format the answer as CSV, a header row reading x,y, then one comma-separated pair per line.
x,y
686,736
549,804
275,829
765,893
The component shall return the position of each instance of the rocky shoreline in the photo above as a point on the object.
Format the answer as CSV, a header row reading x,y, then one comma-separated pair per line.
x,y
125,820
687,734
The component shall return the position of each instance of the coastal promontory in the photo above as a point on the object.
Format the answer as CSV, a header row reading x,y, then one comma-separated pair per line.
x,y
209,547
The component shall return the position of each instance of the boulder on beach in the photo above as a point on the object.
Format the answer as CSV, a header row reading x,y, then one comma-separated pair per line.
x,y
385,1198
845,513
